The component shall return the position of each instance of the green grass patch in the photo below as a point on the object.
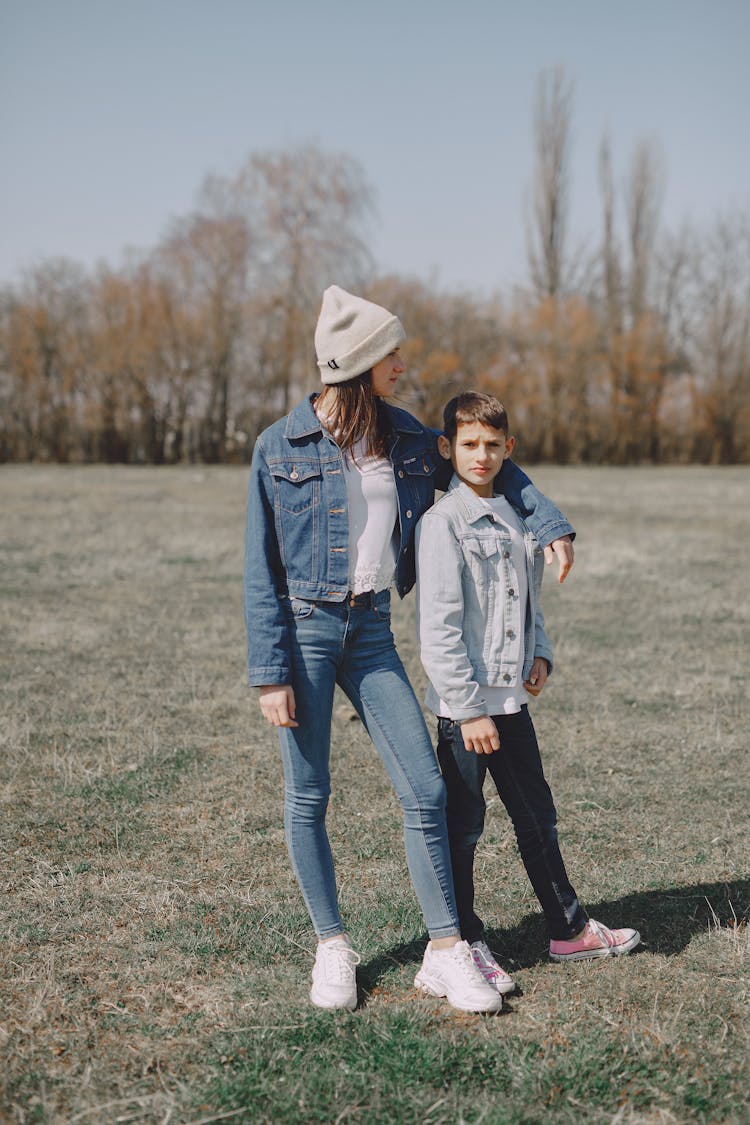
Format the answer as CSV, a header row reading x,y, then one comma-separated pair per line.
x,y
408,1067
153,778
156,953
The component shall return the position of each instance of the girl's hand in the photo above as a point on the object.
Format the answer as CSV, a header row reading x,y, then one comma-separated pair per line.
x,y
480,735
562,550
277,704
537,676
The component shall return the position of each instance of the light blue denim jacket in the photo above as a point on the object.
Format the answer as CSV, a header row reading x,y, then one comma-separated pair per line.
x,y
297,539
465,589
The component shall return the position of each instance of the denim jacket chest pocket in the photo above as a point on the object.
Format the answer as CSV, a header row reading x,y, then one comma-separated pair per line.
x,y
296,485
484,554
417,472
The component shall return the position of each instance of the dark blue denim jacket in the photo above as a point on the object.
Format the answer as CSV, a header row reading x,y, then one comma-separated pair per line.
x,y
297,541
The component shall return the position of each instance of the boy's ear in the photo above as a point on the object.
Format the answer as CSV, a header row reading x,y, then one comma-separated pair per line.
x,y
509,447
444,447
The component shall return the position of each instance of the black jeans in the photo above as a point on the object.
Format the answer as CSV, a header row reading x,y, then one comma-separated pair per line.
x,y
516,770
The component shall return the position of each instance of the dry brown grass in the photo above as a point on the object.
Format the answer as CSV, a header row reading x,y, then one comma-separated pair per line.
x,y
153,939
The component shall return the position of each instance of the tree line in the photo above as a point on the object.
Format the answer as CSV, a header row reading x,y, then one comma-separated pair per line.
x,y
637,349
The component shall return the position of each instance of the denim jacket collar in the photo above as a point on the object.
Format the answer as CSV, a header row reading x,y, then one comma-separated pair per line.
x,y
402,421
473,506
303,421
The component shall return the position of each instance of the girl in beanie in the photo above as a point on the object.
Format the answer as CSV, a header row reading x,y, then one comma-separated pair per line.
x,y
336,489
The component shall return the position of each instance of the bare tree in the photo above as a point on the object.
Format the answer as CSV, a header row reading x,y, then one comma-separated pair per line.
x,y
643,200
193,349
551,371
610,252
203,270
452,341
113,402
44,352
720,317
550,332
635,330
547,233
306,211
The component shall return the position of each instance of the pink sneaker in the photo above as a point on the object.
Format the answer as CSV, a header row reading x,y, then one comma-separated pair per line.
x,y
595,941
489,968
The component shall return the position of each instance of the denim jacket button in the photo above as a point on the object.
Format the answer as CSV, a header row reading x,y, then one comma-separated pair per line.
x,y
401,472
507,677
511,592
408,514
510,635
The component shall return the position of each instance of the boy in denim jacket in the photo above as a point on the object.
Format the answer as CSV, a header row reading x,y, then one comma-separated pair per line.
x,y
485,651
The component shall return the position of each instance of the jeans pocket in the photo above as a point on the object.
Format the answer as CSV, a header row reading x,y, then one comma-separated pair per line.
x,y
300,608
446,729
382,606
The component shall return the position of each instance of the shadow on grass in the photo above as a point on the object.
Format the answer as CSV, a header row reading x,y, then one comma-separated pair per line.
x,y
667,919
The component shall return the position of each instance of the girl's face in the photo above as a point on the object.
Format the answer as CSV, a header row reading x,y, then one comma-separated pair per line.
x,y
387,373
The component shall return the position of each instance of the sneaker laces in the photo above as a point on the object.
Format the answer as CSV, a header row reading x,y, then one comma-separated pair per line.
x,y
463,957
339,961
483,959
605,935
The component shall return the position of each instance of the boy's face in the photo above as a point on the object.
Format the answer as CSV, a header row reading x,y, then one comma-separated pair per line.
x,y
477,452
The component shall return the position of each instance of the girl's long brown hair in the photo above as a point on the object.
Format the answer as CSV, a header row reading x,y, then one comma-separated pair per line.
x,y
353,412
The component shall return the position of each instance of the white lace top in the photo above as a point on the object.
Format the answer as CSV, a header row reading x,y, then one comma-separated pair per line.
x,y
373,518
373,515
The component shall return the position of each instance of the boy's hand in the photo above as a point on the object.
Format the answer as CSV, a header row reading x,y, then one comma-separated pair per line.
x,y
480,735
278,705
563,548
537,676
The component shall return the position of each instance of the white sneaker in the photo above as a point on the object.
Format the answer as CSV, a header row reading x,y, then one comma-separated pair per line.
x,y
334,975
452,973
493,973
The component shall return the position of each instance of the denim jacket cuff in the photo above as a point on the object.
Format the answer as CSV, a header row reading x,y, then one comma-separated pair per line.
x,y
463,714
268,676
553,529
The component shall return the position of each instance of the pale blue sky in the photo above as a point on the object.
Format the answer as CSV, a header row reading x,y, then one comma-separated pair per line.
x,y
112,113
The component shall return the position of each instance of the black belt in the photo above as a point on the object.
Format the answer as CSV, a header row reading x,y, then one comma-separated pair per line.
x,y
367,599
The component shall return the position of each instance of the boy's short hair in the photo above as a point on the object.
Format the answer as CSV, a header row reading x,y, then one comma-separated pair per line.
x,y
474,406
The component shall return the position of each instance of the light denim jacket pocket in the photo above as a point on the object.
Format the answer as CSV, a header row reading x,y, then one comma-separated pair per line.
x,y
481,556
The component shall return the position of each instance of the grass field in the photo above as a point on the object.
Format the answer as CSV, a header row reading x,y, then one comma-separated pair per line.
x,y
154,951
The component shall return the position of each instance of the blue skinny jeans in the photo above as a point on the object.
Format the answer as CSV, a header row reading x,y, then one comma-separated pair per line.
x,y
516,769
352,646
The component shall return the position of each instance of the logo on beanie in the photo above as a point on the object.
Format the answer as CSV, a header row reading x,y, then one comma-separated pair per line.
x,y
333,365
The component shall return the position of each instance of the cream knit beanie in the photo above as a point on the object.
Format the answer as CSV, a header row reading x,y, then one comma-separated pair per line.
x,y
353,334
